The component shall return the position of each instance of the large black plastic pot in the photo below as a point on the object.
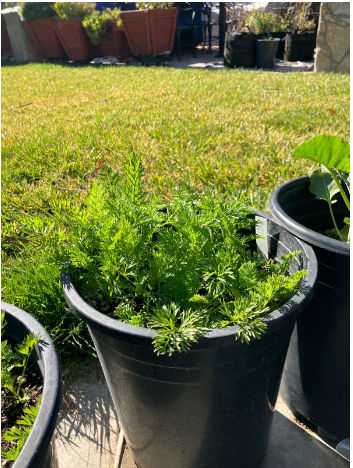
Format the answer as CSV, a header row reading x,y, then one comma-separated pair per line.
x,y
281,36
300,46
36,452
239,50
315,382
210,407
266,51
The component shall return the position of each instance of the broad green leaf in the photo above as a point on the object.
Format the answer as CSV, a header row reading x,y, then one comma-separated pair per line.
x,y
322,185
331,151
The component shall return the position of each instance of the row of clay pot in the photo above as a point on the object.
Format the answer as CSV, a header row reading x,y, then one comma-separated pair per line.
x,y
144,33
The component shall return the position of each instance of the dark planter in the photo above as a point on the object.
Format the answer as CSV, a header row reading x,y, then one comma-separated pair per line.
x,y
36,453
114,43
300,46
6,49
266,51
162,26
210,407
240,50
42,32
282,37
315,382
74,40
150,32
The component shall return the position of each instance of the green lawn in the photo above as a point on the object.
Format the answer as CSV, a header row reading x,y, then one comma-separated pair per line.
x,y
229,129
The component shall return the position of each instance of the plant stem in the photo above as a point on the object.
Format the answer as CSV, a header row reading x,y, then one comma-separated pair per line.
x,y
344,196
334,222
22,375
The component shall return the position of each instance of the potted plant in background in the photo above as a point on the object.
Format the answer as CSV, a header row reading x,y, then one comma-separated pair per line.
x,y
301,39
255,39
190,312
30,389
39,23
104,29
315,382
264,25
69,29
150,31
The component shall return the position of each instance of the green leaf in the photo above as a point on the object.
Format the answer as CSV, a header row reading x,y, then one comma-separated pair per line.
x,y
322,185
331,151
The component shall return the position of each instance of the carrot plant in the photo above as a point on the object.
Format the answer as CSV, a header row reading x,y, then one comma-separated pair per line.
x,y
14,363
181,269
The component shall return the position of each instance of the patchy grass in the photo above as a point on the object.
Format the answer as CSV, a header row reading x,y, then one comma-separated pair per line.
x,y
232,130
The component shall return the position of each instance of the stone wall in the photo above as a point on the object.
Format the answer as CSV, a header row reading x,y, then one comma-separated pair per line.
x,y
332,43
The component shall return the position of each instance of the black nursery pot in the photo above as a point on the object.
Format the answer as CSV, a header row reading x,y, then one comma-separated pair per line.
x,y
36,452
210,407
281,36
300,46
239,50
266,51
315,382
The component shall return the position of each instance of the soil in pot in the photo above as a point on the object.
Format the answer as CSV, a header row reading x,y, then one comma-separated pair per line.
x,y
42,32
240,50
315,382
266,51
300,46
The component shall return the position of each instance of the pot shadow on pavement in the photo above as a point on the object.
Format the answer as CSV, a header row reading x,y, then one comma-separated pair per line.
x,y
87,430
293,445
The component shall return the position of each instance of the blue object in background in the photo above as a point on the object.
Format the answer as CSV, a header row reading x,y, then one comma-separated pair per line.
x,y
100,6
124,6
190,15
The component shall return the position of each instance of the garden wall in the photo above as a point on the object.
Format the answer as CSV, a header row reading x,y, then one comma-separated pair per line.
x,y
332,43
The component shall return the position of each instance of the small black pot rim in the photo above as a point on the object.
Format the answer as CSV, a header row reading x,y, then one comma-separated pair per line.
x,y
297,229
44,423
101,321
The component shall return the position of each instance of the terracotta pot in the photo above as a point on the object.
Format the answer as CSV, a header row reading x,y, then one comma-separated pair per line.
x,y
162,26
150,32
74,40
137,30
42,32
115,44
6,48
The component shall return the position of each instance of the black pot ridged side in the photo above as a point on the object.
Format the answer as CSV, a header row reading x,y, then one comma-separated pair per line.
x,y
266,52
36,453
210,407
315,382
239,50
281,36
300,46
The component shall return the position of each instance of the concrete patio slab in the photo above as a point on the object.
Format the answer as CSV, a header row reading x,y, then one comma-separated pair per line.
x,y
87,434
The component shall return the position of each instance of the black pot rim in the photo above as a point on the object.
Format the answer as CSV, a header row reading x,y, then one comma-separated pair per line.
x,y
130,332
299,230
274,39
44,424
